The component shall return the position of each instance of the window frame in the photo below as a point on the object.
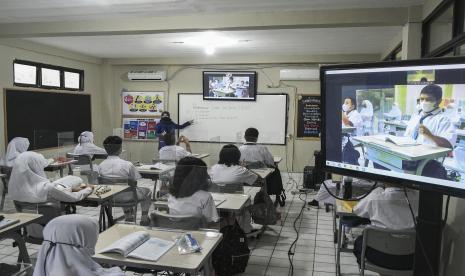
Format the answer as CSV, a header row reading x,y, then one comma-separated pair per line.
x,y
40,66
392,55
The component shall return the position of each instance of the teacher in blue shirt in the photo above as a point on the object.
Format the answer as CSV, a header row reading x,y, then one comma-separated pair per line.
x,y
166,125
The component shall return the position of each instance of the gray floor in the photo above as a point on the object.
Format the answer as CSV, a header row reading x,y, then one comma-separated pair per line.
x,y
314,252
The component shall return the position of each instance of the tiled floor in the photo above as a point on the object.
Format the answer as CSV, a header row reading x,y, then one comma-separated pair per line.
x,y
314,253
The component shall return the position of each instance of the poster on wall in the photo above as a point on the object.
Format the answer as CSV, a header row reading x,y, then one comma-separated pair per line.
x,y
308,117
143,103
140,128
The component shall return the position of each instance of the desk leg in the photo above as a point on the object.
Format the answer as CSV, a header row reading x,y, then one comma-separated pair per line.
x,y
23,256
338,248
101,219
109,211
61,171
421,166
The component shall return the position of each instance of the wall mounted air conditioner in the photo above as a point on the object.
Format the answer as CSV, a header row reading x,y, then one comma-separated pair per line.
x,y
147,75
299,74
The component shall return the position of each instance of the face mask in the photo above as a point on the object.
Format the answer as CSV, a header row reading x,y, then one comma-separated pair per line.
x,y
427,106
345,107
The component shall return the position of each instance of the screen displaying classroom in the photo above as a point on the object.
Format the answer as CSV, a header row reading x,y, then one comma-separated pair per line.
x,y
241,86
403,120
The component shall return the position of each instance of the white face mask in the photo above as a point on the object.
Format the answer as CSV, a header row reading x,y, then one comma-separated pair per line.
x,y
427,106
345,107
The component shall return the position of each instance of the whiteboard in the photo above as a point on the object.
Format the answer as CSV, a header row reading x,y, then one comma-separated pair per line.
x,y
226,121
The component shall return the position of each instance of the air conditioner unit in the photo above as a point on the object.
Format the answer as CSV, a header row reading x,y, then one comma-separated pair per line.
x,y
299,74
144,75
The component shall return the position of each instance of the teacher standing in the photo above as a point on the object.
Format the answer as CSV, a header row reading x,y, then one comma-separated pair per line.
x,y
166,125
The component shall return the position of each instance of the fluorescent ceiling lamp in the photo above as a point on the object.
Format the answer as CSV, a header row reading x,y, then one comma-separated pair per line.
x,y
210,38
209,50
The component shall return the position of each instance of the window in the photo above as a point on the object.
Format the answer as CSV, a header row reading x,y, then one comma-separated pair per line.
x,y
34,74
443,29
25,74
50,77
395,54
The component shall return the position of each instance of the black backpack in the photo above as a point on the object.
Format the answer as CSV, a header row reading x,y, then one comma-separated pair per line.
x,y
263,210
232,254
349,154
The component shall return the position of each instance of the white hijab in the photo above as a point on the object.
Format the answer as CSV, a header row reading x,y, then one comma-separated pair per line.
x,y
16,146
86,145
69,243
367,112
28,182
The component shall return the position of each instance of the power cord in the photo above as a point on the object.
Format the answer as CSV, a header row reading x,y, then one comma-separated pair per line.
x,y
291,250
416,234
351,199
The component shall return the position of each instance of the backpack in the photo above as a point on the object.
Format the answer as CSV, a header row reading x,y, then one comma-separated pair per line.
x,y
274,182
349,154
232,254
263,210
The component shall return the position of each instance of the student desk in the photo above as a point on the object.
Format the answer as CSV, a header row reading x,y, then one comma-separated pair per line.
x,y
394,125
170,261
197,155
262,172
151,172
348,129
251,190
342,209
229,202
59,166
406,159
277,160
105,201
11,232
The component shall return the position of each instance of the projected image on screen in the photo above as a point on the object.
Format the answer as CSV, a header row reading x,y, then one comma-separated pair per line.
x,y
229,86
388,126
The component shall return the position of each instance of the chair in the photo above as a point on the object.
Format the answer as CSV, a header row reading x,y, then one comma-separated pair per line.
x,y
133,189
159,219
227,188
394,242
6,171
49,210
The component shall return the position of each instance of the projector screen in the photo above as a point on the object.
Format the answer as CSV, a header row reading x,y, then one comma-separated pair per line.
x,y
225,122
397,121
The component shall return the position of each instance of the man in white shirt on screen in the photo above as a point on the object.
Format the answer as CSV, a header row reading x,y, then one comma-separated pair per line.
x,y
351,117
430,125
174,152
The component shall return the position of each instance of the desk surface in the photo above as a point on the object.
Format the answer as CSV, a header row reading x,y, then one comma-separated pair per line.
x,y
251,190
201,155
400,124
147,169
411,153
61,164
171,260
262,173
232,202
277,159
115,189
24,219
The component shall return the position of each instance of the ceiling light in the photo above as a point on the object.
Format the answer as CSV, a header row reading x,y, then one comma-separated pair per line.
x,y
209,50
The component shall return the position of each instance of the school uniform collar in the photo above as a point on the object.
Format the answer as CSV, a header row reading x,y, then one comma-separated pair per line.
x,y
250,143
432,113
113,157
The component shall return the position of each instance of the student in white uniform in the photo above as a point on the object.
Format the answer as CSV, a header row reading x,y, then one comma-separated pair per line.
x,y
86,145
114,166
351,117
387,208
69,243
174,152
367,116
28,182
430,126
188,193
228,170
16,146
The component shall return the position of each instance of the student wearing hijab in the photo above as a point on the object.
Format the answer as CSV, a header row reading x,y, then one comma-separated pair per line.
x,y
16,146
367,116
86,145
69,243
166,125
28,182
188,193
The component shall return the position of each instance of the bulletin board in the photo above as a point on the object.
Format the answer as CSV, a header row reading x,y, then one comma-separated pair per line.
x,y
308,117
140,129
143,104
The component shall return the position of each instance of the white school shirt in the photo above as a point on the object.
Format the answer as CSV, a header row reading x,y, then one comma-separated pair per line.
x,y
222,174
200,204
62,190
251,152
88,148
114,166
439,125
173,152
356,119
388,208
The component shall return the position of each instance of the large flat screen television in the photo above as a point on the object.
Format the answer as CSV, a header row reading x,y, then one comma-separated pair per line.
x,y
400,122
231,85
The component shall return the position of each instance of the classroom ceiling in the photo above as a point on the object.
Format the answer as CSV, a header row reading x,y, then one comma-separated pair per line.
x,y
314,41
20,11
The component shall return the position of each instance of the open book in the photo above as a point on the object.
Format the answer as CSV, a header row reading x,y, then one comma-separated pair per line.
x,y
140,245
401,140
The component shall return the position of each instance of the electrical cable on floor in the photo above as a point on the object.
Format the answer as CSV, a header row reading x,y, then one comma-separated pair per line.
x,y
416,234
291,252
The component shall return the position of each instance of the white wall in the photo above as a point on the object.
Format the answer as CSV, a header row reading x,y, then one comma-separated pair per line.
x,y
188,79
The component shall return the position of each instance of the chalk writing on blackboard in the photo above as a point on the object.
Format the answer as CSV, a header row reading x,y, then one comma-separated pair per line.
x,y
308,116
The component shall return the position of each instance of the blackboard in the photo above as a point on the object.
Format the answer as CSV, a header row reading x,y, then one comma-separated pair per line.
x,y
42,116
308,116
